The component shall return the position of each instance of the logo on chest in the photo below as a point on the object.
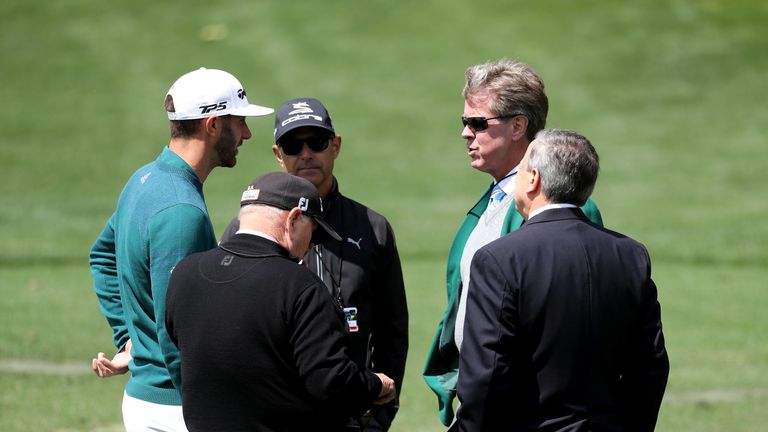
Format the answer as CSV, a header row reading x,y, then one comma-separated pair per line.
x,y
356,243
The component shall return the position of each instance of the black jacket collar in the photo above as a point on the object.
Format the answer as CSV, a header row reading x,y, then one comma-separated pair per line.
x,y
332,198
252,246
557,214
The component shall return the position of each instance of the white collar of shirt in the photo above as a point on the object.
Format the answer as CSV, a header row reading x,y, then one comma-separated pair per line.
x,y
507,184
256,233
549,207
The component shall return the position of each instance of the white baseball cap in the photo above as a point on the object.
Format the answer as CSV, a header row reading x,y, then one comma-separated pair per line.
x,y
210,92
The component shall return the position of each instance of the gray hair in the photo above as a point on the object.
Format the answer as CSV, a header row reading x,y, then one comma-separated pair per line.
x,y
273,214
568,164
517,88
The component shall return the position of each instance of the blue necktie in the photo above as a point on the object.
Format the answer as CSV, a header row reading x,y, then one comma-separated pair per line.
x,y
497,195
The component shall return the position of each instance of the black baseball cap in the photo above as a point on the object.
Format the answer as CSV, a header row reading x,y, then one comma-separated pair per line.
x,y
299,112
286,191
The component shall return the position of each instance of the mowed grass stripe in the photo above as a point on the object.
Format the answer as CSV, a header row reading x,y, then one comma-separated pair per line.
x,y
42,367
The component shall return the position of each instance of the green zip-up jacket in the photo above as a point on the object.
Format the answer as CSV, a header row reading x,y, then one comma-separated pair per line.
x,y
441,371
160,218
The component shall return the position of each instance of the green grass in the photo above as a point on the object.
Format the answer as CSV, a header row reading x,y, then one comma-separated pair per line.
x,y
60,403
672,94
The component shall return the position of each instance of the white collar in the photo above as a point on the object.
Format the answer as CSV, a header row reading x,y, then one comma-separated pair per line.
x,y
256,233
507,184
549,207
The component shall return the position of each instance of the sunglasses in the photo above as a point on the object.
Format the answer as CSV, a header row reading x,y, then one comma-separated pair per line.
x,y
293,146
478,124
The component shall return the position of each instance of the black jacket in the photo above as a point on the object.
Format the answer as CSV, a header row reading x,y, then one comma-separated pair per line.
x,y
262,343
563,332
365,269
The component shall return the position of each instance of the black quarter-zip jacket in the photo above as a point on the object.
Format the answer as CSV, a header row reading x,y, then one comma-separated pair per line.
x,y
363,271
263,346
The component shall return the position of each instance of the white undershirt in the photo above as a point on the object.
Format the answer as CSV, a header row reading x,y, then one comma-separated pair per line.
x,y
257,233
549,207
507,184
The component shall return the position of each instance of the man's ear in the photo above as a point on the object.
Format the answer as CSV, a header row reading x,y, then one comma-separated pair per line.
x,y
336,146
534,181
278,155
521,126
211,124
293,216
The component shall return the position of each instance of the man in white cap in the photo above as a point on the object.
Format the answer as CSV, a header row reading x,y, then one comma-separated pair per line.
x,y
161,217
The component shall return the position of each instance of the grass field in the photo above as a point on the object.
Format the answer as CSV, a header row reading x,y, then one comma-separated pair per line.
x,y
672,93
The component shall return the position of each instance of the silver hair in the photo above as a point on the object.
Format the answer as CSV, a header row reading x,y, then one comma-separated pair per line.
x,y
274,214
568,164
517,89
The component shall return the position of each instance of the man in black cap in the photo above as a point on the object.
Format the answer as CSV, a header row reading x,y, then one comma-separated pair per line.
x,y
262,343
363,270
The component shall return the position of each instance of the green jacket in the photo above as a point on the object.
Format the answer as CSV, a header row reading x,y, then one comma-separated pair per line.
x,y
441,371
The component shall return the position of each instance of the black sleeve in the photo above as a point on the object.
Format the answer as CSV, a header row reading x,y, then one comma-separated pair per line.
x,y
320,350
490,335
646,378
173,296
390,331
382,416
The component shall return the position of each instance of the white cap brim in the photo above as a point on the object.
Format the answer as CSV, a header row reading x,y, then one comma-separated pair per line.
x,y
251,111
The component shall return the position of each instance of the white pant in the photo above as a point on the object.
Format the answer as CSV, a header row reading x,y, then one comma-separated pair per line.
x,y
143,416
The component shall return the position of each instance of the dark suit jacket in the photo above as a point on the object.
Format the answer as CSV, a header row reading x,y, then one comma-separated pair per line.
x,y
562,332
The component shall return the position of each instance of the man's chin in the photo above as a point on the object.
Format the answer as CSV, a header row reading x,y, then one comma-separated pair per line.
x,y
308,173
311,174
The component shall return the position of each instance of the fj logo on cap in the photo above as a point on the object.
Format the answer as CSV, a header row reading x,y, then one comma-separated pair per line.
x,y
303,204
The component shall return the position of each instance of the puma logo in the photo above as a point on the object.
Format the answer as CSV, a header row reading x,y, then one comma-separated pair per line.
x,y
356,243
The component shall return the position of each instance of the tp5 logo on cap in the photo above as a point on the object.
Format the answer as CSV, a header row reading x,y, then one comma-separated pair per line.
x,y
205,109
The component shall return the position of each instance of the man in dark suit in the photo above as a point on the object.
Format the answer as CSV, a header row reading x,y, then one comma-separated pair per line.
x,y
563,327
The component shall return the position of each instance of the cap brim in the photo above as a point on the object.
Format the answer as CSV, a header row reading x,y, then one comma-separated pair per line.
x,y
320,235
251,111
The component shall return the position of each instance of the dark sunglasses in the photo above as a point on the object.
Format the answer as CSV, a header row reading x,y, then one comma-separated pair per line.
x,y
293,146
481,123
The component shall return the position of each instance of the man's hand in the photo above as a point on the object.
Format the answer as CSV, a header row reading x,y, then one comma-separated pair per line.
x,y
105,368
387,390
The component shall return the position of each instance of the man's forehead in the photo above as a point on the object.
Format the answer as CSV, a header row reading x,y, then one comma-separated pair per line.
x,y
479,99
483,106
